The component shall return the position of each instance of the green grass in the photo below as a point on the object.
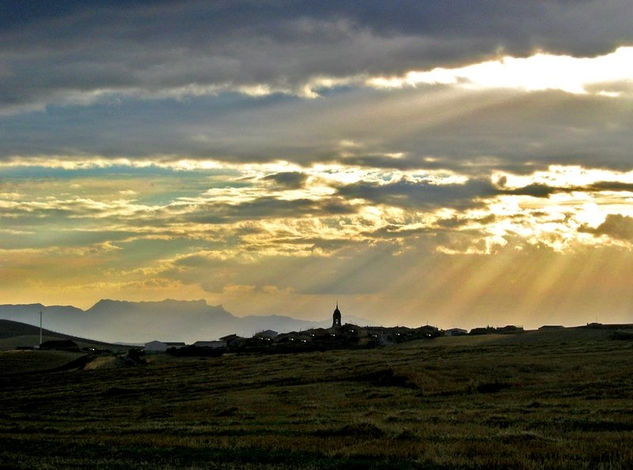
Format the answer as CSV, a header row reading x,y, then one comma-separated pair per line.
x,y
546,400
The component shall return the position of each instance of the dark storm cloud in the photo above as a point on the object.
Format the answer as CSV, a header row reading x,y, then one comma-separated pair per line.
x,y
408,194
611,186
524,132
420,195
268,207
468,132
57,52
615,226
288,179
542,190
412,195
534,190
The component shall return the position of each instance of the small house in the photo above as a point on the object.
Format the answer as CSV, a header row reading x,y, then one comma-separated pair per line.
x,y
510,329
162,346
266,334
455,332
233,341
210,344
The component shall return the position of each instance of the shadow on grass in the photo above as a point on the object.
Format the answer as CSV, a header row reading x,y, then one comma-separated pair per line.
x,y
50,454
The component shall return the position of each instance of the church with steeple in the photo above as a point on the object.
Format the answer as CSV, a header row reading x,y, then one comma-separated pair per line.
x,y
336,317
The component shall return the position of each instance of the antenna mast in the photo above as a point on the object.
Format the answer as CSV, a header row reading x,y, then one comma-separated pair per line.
x,y
40,326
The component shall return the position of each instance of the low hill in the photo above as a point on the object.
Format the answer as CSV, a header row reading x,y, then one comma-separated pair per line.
x,y
16,334
9,329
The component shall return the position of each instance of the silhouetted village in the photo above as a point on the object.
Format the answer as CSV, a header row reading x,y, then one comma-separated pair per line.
x,y
338,336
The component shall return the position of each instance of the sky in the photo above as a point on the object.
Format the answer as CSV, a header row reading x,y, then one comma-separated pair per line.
x,y
460,163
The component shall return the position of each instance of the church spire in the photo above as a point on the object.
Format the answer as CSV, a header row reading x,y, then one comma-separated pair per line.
x,y
336,317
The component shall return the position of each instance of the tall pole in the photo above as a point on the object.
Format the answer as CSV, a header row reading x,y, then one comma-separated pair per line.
x,y
40,326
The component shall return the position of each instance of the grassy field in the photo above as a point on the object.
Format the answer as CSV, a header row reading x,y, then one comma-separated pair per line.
x,y
543,400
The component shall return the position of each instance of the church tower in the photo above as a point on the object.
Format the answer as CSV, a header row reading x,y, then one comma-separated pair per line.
x,y
336,317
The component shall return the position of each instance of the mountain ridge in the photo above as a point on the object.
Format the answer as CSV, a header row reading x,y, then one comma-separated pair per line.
x,y
178,320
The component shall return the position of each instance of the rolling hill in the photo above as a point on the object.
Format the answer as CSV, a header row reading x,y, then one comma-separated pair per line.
x,y
15,334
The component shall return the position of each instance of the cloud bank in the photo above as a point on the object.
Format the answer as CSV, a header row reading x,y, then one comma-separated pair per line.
x,y
453,162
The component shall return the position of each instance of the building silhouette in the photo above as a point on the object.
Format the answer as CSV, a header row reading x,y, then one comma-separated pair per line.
x,y
336,317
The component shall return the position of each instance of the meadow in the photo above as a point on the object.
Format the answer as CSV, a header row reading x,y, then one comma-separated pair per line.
x,y
538,400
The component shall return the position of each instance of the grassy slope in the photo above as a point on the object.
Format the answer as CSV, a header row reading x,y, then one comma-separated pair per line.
x,y
542,400
15,334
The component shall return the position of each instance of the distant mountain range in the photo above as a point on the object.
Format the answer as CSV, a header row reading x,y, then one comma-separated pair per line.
x,y
168,320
